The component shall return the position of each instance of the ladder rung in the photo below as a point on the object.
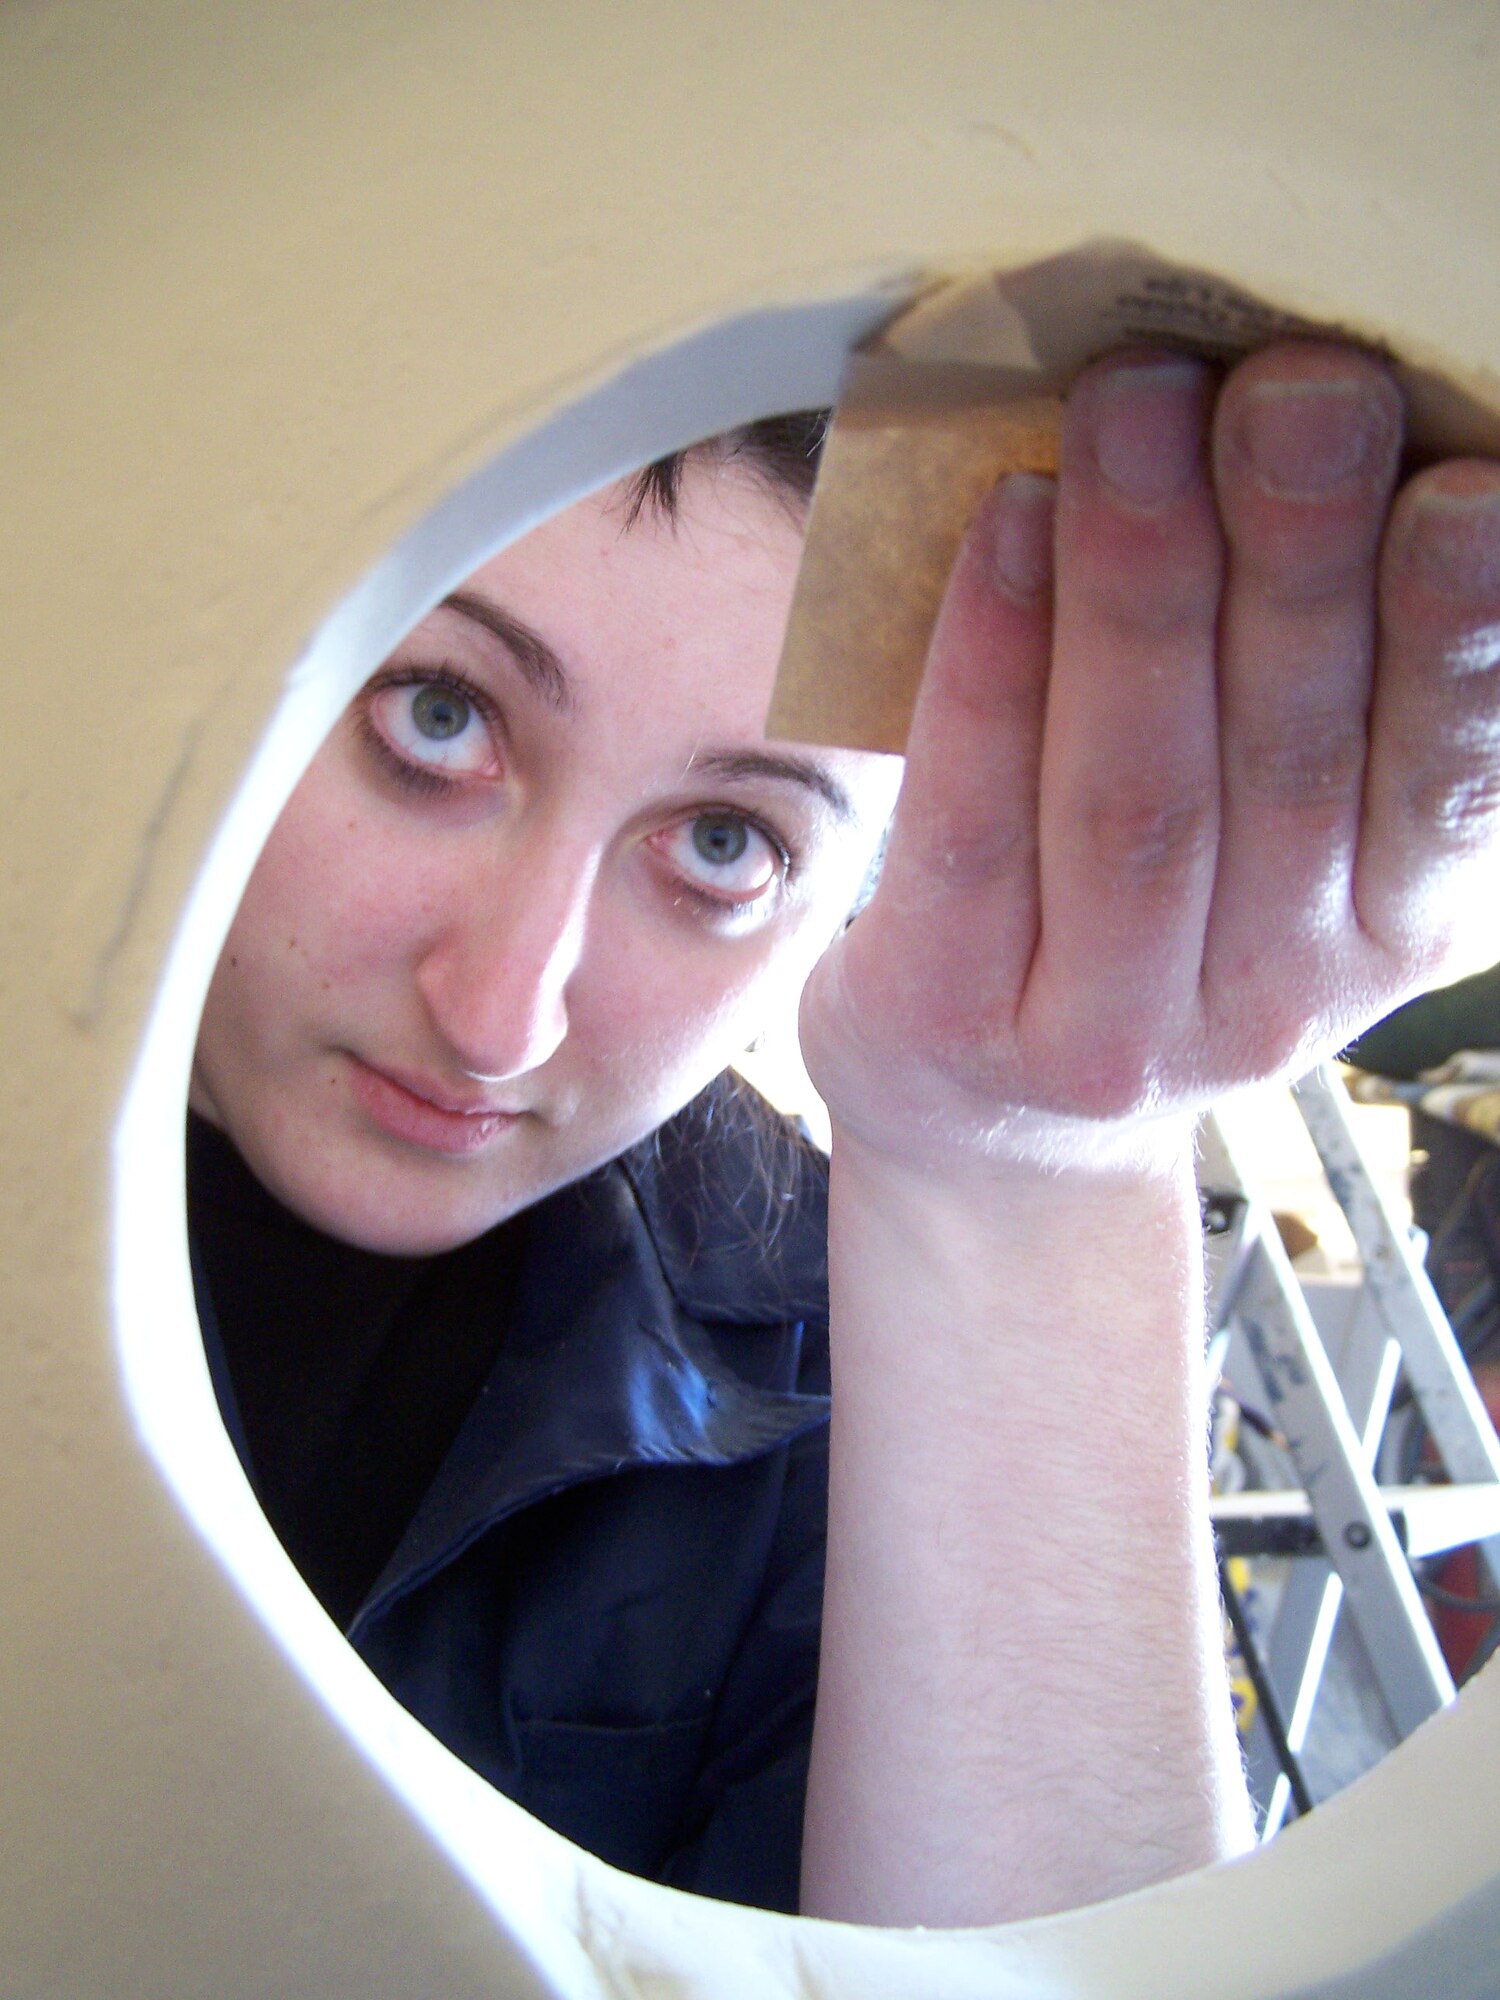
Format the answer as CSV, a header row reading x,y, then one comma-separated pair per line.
x,y
1427,1519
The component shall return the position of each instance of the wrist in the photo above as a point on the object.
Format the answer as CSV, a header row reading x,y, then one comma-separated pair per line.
x,y
1020,1156
1014,1259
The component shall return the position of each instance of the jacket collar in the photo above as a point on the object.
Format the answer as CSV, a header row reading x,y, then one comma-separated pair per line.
x,y
735,1201
622,1348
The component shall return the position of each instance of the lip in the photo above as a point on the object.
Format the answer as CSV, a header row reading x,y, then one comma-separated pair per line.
x,y
405,1108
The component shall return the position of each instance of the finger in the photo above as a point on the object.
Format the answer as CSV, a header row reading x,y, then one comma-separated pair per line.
x,y
962,862
1432,792
1306,444
1129,794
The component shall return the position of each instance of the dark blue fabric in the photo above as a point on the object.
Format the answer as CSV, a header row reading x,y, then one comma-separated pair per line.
x,y
608,1601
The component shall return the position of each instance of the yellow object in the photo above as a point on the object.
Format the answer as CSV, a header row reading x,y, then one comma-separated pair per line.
x,y
303,308
1241,1687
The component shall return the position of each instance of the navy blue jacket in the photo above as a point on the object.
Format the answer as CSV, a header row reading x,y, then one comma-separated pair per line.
x,y
608,1601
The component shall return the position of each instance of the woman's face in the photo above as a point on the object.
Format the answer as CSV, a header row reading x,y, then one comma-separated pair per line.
x,y
543,881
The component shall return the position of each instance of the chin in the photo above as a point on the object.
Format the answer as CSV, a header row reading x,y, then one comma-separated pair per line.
x,y
394,1214
413,1241
407,1232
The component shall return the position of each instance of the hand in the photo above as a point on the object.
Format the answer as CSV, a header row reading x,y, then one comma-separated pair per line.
x,y
1205,770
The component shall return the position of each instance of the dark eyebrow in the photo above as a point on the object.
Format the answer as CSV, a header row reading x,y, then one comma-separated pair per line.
x,y
539,665
780,764
546,674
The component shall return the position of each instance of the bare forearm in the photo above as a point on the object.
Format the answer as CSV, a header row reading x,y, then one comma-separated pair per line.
x,y
1022,1704
1163,833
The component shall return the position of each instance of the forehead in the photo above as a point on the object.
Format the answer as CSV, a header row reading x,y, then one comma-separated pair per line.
x,y
685,609
665,630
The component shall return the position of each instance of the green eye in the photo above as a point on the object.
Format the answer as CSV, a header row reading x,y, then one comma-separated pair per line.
x,y
439,712
723,860
720,839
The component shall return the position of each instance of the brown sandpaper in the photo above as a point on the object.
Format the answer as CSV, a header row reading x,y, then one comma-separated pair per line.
x,y
966,386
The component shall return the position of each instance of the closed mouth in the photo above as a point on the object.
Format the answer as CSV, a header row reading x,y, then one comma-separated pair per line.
x,y
439,1098
425,1116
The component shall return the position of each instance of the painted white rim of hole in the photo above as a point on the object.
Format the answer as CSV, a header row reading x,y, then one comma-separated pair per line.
x,y
782,358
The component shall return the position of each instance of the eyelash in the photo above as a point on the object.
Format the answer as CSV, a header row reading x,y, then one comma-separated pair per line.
x,y
711,905
420,778
428,782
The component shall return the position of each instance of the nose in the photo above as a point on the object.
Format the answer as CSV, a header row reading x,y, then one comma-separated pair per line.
x,y
495,977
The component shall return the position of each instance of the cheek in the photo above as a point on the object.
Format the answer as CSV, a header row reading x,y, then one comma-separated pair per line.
x,y
667,1022
329,895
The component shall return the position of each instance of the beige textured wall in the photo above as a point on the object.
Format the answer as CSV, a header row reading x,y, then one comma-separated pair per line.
x,y
275,279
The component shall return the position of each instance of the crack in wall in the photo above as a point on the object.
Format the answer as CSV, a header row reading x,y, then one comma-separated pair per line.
x,y
87,1006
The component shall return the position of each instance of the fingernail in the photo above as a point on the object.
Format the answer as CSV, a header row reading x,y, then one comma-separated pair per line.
x,y
1021,532
1454,540
1148,435
1306,439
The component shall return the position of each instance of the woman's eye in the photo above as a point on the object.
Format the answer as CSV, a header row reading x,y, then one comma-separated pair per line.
x,y
724,854
435,726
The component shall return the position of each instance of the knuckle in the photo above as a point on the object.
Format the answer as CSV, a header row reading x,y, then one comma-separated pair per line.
x,y
1145,833
1300,567
1308,762
975,853
1144,604
971,850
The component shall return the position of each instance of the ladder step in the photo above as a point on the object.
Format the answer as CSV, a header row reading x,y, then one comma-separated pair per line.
x,y
1427,1519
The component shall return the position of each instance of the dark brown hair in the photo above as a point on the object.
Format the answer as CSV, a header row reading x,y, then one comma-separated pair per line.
x,y
781,451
